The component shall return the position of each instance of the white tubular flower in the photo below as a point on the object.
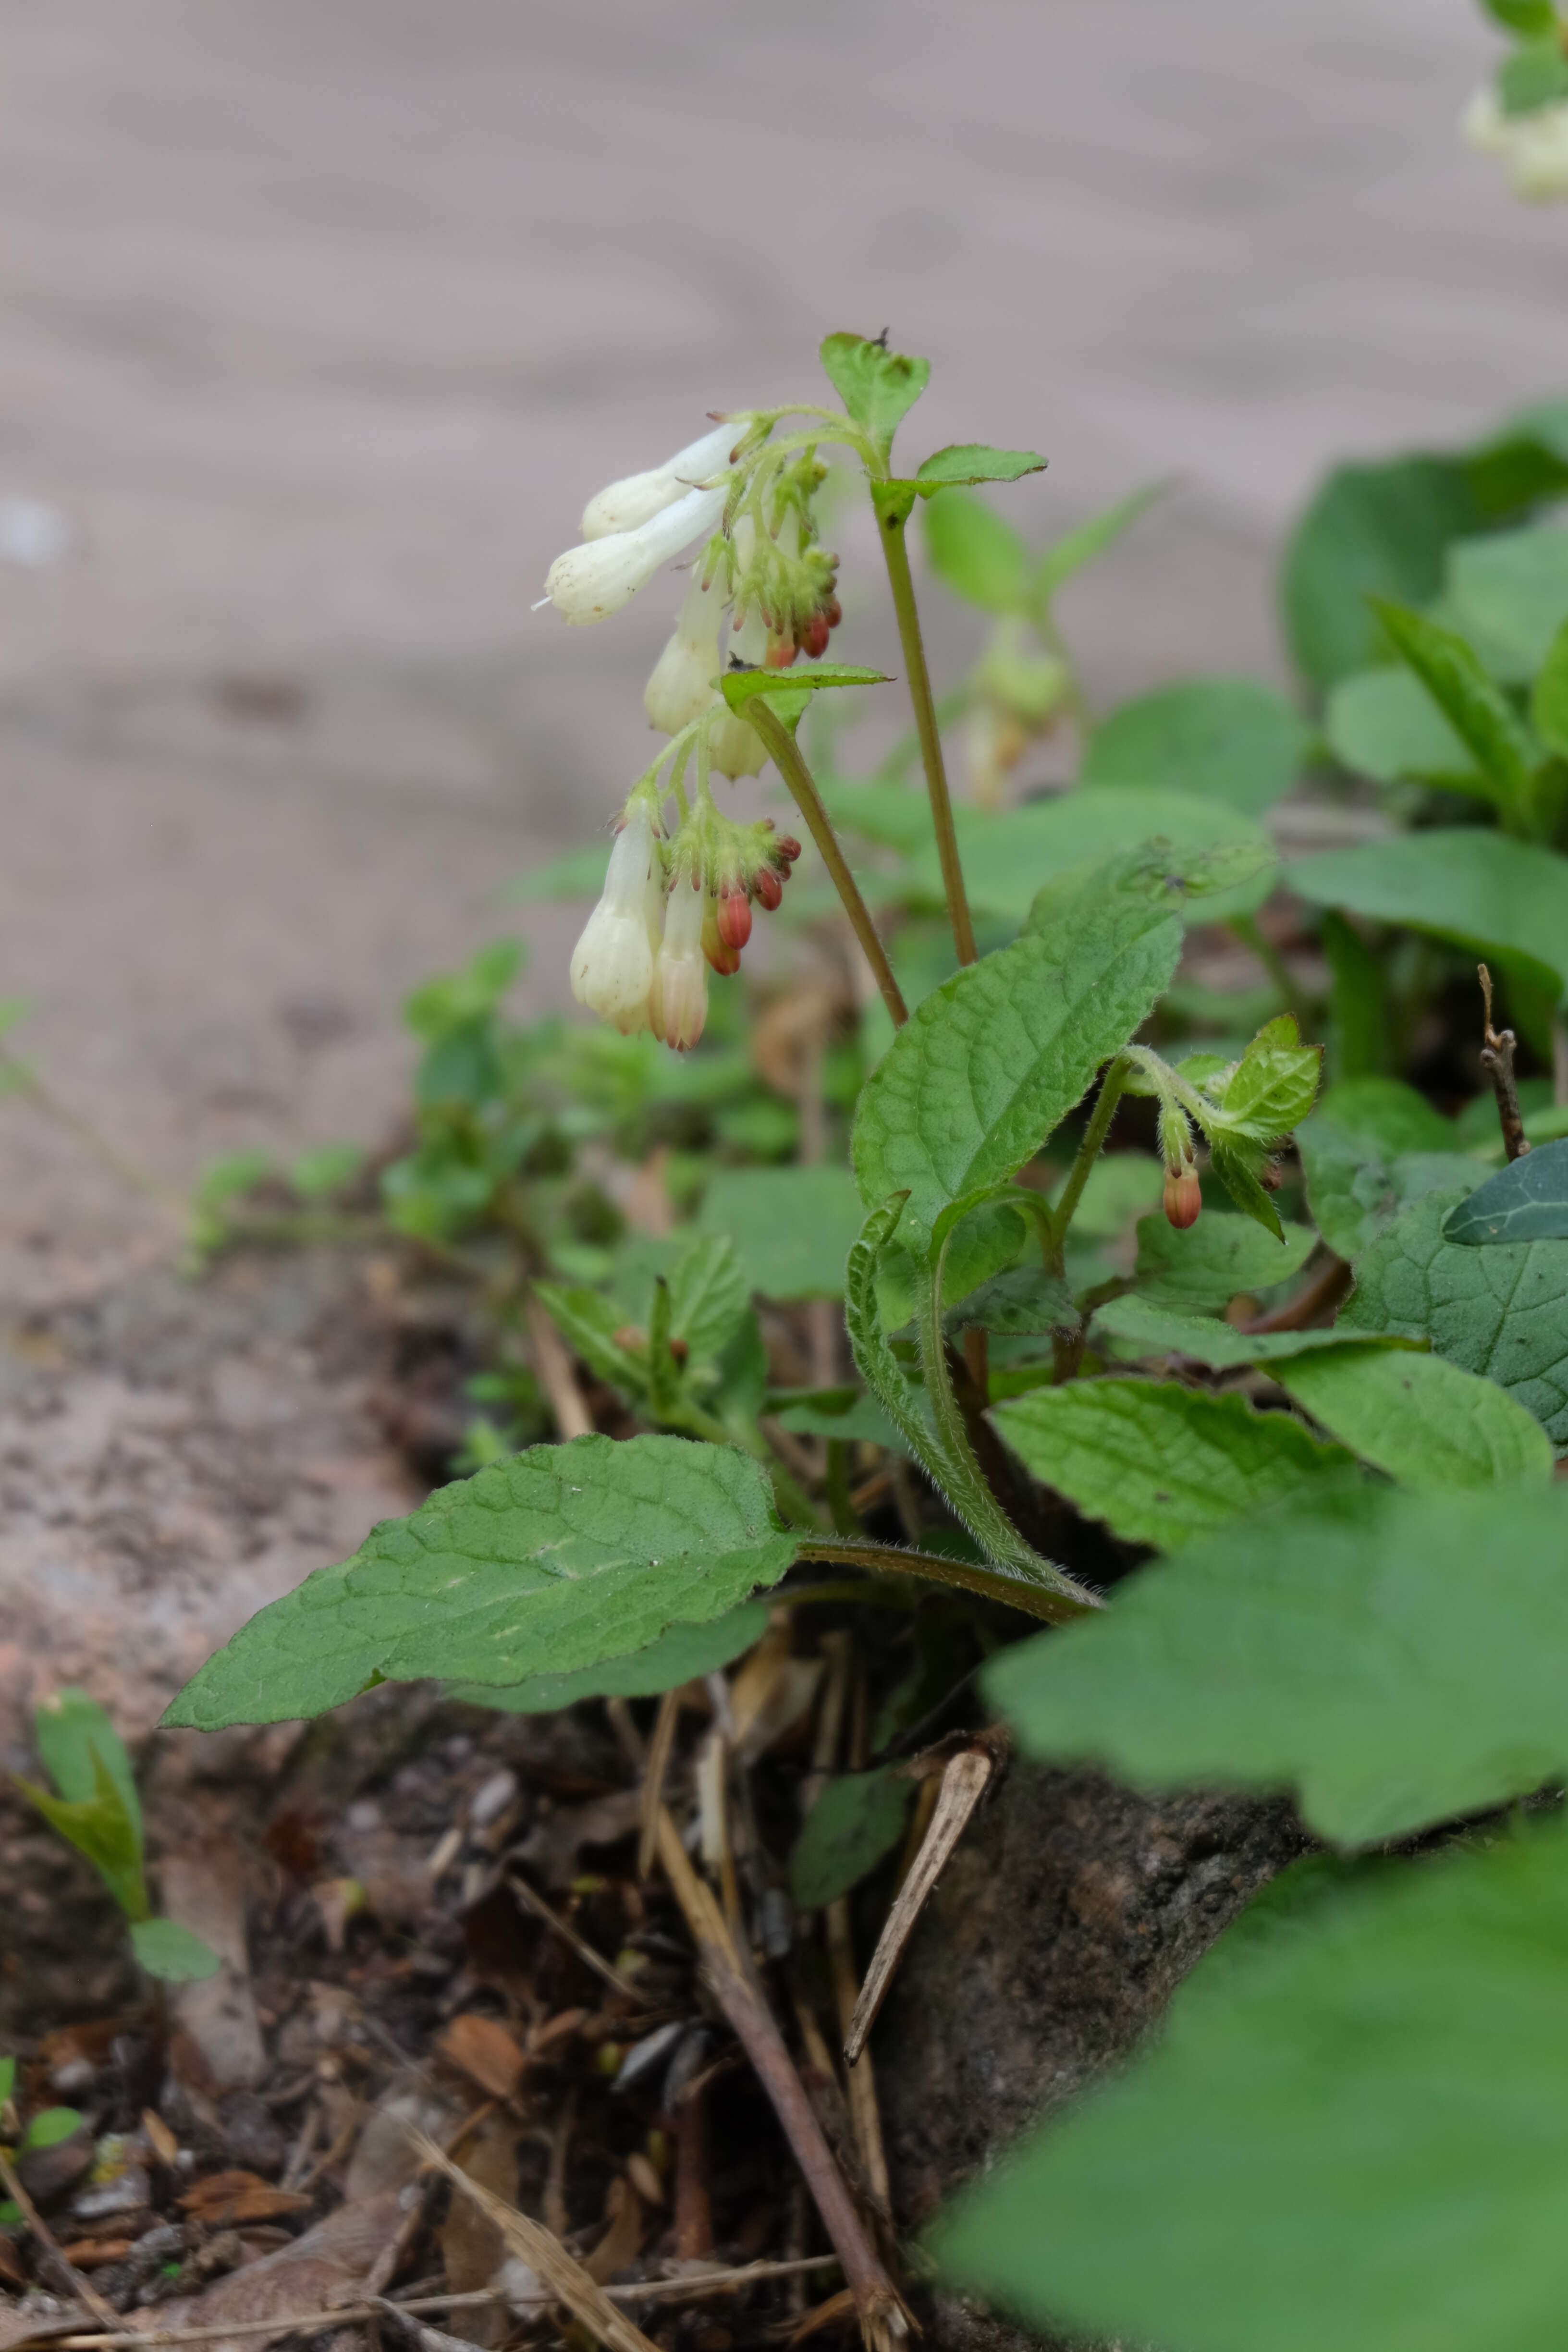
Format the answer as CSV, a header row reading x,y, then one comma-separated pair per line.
x,y
682,680
591,582
735,748
1534,147
677,1002
627,505
612,964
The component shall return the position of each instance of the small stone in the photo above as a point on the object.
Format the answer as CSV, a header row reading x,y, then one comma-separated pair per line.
x,y
491,1800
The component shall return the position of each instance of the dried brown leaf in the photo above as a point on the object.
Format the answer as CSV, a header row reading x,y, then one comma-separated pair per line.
x,y
486,2052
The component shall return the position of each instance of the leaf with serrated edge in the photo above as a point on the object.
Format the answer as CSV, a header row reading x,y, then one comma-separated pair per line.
x,y
1500,1311
1157,1463
963,463
995,1059
1208,1264
556,1558
1420,1420
1525,1201
1356,2136
878,387
1394,1659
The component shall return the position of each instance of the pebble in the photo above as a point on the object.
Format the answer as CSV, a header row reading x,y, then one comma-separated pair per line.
x,y
492,1798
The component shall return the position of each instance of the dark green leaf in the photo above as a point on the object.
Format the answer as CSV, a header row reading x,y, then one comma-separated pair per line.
x,y
166,1950
556,1558
1508,900
1021,1302
1525,1201
1078,548
1155,1330
1534,77
1355,2136
1159,1463
1215,1260
1383,724
1422,1421
987,1239
1479,712
793,1227
854,1823
846,1412
1380,529
1500,1311
975,554
878,387
991,1063
1394,1659
1229,740
679,1655
963,463
1372,1146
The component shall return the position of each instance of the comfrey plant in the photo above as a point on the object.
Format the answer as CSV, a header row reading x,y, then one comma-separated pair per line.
x,y
1520,116
1307,1436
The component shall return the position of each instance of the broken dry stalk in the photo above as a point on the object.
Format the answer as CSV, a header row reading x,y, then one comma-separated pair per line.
x,y
876,2302
963,1783
1497,1061
104,2313
568,1935
658,1766
552,1362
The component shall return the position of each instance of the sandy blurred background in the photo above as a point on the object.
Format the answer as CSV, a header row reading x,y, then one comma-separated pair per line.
x,y
325,316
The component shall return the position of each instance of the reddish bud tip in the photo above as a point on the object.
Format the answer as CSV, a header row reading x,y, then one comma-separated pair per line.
x,y
768,888
814,636
1182,1199
833,611
734,919
787,847
724,960
779,654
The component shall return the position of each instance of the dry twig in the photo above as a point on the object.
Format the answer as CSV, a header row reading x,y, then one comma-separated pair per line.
x,y
552,1362
104,2313
1497,1060
590,1958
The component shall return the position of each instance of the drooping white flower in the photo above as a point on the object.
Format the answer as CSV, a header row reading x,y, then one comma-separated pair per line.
x,y
612,964
682,680
1534,147
678,1000
734,748
627,505
591,582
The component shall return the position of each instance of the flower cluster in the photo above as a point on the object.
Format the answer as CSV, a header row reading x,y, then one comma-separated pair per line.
x,y
671,908
1532,146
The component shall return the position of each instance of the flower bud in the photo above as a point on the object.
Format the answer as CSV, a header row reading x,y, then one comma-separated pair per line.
x,y
612,964
627,505
1183,1197
678,1000
682,680
768,888
589,582
787,847
726,961
734,918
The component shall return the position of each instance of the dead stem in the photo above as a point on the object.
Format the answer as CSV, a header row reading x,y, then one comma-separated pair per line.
x,y
1497,1061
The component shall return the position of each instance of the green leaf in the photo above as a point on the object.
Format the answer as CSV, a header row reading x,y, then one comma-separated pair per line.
x,y
102,1833
995,1059
1076,549
1423,1420
793,1227
1159,1463
1532,19
7,2079
854,1823
1123,1185
1383,724
1008,856
986,1239
1500,1311
1508,593
1023,1301
709,1296
1361,1173
1212,1262
589,1323
740,687
576,874
1549,696
1272,1088
1379,529
166,1950
72,1730
680,1654
975,554
1229,740
878,387
963,463
556,1558
1480,714
235,1172
1356,2136
326,1169
1525,1201
1155,1330
48,2127
1392,1659
1506,900
847,1413
1534,77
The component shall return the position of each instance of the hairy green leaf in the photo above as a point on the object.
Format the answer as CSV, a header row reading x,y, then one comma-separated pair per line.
x,y
854,1824
1479,713
1375,2082
1372,1146
1421,1419
793,1227
1021,1302
1379,529
975,554
878,387
1212,1262
1506,900
1525,1201
1272,1088
553,1559
1229,740
1382,723
987,1239
1500,1311
991,1063
1159,1463
1394,1659
680,1654
166,1950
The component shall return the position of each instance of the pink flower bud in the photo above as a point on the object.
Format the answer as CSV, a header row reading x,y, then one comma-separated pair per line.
x,y
1182,1199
